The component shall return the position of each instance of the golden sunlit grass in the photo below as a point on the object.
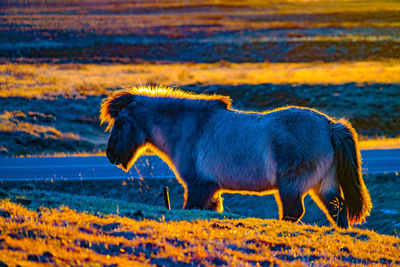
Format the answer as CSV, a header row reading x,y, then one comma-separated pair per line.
x,y
379,143
40,80
64,237
8,123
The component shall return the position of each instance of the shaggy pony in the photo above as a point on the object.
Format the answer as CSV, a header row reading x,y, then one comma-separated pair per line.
x,y
213,148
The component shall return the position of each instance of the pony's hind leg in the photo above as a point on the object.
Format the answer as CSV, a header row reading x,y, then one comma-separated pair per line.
x,y
203,195
335,205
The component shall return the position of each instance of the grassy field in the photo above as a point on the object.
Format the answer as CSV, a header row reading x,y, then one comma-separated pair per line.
x,y
64,237
200,31
41,223
384,218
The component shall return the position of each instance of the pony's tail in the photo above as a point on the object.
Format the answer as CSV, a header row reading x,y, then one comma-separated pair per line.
x,y
348,171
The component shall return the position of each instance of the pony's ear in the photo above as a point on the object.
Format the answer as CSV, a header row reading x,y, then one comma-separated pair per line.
x,y
112,105
118,103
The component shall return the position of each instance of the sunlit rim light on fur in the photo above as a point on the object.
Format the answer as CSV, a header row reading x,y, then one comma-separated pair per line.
x,y
156,91
144,150
341,132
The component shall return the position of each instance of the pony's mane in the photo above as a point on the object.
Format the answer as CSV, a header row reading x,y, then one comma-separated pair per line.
x,y
160,91
119,99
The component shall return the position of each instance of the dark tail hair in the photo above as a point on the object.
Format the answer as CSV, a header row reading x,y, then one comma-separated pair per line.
x,y
348,171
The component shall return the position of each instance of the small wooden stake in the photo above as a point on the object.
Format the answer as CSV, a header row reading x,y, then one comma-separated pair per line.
x,y
166,197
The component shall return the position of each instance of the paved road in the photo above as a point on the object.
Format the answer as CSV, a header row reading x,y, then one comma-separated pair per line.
x,y
98,167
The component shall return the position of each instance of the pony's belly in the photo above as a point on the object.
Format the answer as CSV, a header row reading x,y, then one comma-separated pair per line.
x,y
249,177
251,171
245,183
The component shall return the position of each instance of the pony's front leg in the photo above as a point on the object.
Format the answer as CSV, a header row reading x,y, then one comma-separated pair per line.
x,y
292,207
291,198
203,195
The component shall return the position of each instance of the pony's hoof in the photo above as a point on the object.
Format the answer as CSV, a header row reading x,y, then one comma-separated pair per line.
x,y
215,204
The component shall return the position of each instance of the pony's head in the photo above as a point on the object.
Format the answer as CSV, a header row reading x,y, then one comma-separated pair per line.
x,y
127,135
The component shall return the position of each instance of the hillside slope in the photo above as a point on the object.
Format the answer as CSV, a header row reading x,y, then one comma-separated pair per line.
x,y
148,236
